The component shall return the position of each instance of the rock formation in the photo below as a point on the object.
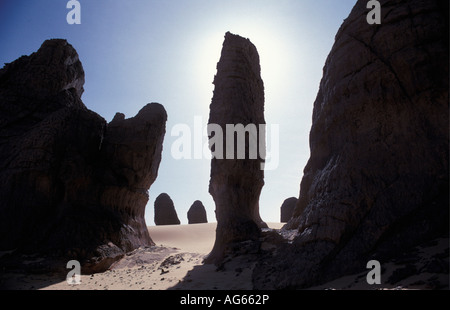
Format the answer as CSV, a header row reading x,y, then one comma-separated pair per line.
x,y
165,213
236,184
287,208
197,213
377,180
71,184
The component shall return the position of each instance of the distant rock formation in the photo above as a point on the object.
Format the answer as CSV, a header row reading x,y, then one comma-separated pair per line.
x,y
165,213
377,180
287,208
236,184
71,184
197,213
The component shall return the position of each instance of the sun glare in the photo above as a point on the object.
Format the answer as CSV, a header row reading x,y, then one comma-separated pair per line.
x,y
210,47
272,53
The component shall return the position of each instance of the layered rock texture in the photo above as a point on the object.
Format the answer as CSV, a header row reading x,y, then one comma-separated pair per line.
x,y
71,184
197,213
287,209
236,184
377,180
165,213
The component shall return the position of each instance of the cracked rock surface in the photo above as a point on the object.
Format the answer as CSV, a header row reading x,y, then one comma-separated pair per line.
x,y
377,179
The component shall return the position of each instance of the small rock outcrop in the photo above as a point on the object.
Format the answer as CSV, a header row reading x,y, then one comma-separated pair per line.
x,y
377,179
71,184
236,183
287,208
197,213
165,213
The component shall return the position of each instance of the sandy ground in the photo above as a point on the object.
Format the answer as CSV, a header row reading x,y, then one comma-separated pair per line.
x,y
425,267
194,238
176,262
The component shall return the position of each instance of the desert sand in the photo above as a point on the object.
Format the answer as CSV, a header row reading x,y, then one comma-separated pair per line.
x,y
176,263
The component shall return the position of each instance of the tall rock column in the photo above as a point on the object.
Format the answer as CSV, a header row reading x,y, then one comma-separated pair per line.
x,y
236,181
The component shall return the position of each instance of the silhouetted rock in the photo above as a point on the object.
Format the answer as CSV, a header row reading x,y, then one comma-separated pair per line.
x,y
71,184
377,180
236,184
287,208
197,213
165,213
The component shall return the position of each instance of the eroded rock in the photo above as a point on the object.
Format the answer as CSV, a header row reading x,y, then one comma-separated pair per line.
x,y
71,184
377,180
287,208
165,213
236,184
197,213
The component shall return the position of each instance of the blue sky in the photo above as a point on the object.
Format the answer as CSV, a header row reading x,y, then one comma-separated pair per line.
x,y
140,51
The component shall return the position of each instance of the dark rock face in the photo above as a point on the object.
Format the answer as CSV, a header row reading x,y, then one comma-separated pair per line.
x,y
377,179
165,213
236,184
69,181
197,213
287,208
